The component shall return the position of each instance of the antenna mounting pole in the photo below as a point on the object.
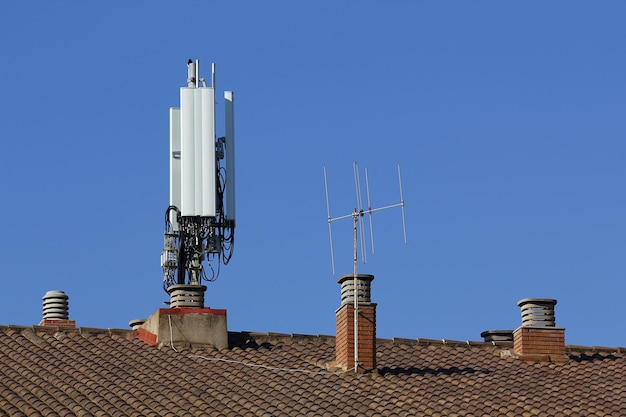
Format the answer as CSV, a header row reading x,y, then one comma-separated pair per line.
x,y
355,215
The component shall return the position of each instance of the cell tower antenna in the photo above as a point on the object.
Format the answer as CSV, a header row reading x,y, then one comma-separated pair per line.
x,y
200,218
357,217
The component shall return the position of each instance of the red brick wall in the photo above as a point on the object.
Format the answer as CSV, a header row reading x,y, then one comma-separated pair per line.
x,y
540,343
58,323
344,342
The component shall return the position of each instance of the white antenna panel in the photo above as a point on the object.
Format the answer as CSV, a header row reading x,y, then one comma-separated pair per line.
x,y
187,152
175,174
229,107
198,139
197,116
207,165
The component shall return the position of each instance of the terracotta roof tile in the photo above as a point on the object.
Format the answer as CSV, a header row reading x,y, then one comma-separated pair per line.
x,y
85,372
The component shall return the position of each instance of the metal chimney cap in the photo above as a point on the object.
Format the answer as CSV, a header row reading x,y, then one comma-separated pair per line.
x,y
136,323
55,305
186,295
537,312
361,287
55,294
546,301
497,335
362,277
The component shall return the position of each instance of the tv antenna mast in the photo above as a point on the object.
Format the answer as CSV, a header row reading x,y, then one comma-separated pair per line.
x,y
359,232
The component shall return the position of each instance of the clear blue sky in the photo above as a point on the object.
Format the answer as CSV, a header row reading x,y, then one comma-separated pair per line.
x,y
508,119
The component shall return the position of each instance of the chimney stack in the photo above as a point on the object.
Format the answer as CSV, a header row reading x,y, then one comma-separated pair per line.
x,y
363,358
55,310
538,339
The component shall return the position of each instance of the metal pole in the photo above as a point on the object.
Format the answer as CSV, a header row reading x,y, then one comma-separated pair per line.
x,y
356,301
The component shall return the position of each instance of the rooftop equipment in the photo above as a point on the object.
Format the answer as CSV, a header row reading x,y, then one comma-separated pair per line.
x,y
55,305
200,219
358,286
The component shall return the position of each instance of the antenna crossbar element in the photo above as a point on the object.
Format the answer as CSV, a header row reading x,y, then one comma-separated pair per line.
x,y
385,207
402,203
369,209
330,220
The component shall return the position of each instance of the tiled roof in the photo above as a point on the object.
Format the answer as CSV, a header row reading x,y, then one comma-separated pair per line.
x,y
94,372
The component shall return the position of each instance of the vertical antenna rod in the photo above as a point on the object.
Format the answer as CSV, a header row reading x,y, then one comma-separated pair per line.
x,y
197,72
369,209
330,229
356,299
401,205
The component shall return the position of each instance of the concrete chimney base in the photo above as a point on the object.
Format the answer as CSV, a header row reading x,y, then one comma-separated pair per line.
x,y
185,326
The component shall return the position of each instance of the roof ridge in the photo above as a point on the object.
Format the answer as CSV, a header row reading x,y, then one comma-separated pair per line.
x,y
243,337
70,330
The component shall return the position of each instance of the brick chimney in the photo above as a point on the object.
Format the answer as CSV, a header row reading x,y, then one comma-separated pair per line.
x,y
365,320
538,339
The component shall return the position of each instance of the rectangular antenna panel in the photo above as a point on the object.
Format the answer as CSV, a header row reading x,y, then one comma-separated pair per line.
x,y
187,152
207,166
197,152
229,105
197,159
175,181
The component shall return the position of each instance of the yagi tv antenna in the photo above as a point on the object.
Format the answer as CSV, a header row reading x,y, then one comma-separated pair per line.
x,y
358,213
